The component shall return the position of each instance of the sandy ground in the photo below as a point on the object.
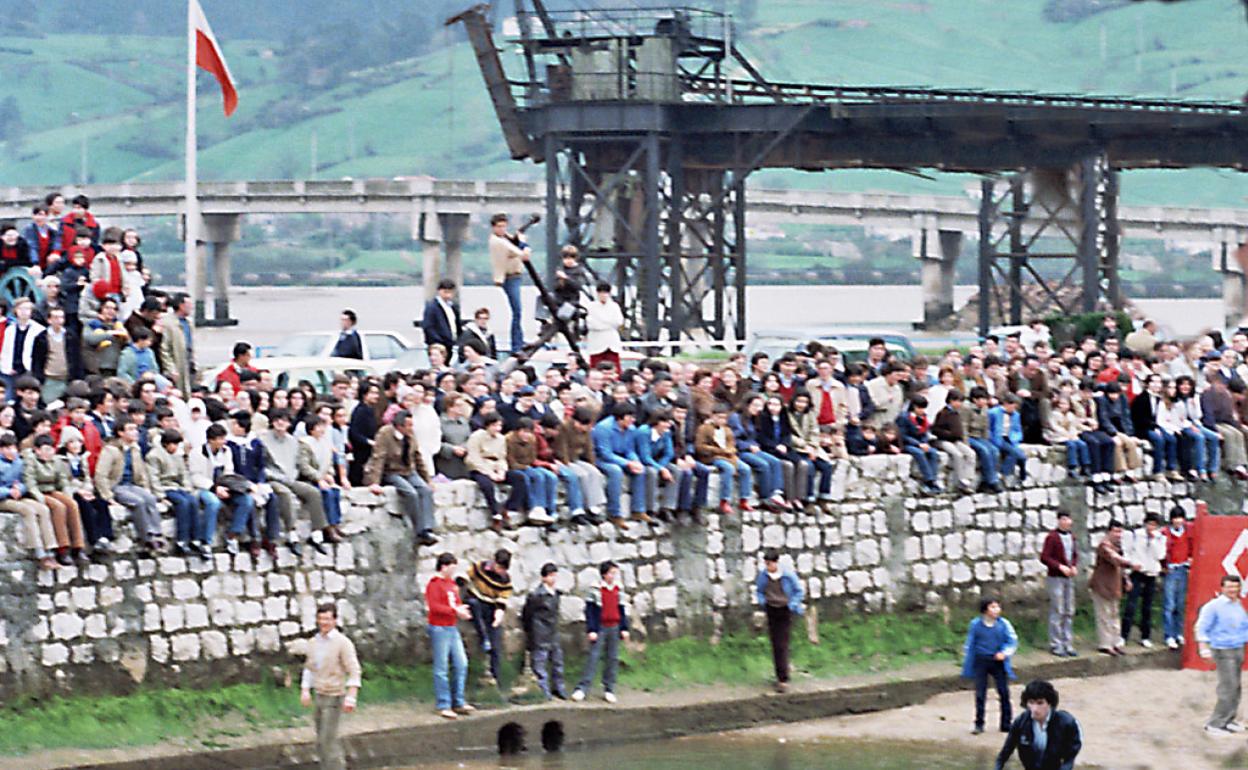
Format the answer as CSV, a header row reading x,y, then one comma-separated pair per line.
x,y
1139,719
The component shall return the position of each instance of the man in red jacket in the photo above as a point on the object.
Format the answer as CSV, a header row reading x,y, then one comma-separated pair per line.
x,y
1179,550
445,610
1060,556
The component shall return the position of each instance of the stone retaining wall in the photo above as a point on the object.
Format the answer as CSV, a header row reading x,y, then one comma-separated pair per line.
x,y
879,547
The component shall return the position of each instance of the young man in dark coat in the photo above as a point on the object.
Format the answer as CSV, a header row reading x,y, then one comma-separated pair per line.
x,y
1045,738
540,620
441,322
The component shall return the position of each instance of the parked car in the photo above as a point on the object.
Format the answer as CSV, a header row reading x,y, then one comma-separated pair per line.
x,y
417,358
380,347
288,371
852,343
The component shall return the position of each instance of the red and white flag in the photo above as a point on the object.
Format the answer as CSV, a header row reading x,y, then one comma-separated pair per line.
x,y
209,57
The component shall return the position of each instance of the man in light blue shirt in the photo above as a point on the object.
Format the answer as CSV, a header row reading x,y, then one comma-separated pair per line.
x,y
1221,631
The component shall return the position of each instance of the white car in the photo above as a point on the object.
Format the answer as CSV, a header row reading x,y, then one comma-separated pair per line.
x,y
380,347
289,371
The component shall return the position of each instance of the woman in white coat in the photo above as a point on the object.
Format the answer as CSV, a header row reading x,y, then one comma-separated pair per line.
x,y
603,320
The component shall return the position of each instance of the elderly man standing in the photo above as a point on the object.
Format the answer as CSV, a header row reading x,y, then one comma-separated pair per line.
x,y
177,346
331,680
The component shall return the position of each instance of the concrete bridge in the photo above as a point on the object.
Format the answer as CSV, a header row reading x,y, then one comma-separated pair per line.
x,y
441,210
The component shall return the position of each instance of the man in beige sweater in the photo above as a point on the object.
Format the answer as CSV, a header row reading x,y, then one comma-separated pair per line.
x,y
507,258
332,673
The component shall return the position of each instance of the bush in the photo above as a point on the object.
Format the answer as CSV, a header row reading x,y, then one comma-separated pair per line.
x,y
1072,328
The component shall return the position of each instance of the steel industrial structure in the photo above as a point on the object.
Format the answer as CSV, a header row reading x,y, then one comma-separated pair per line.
x,y
648,140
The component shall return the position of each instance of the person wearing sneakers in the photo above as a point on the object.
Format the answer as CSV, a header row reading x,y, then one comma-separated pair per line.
x,y
396,462
606,623
1106,586
486,460
714,445
1148,551
1060,557
36,517
543,484
780,594
489,588
1221,630
445,610
990,643
540,620
616,457
1179,550
331,681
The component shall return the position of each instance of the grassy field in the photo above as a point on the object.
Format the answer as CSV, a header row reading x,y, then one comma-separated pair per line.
x,y
859,644
119,97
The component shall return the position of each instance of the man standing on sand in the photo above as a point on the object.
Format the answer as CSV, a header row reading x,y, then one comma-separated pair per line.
x,y
1106,585
1060,556
1221,630
332,673
1046,739
780,594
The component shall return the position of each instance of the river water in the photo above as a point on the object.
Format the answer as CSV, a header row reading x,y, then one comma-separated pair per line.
x,y
268,314
730,751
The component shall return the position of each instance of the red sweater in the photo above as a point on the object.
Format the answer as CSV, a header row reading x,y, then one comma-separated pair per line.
x,y
112,284
1053,555
610,606
1179,548
442,597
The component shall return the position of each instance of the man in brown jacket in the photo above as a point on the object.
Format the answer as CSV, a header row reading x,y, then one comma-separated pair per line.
x,y
396,462
332,672
574,448
1107,585
714,445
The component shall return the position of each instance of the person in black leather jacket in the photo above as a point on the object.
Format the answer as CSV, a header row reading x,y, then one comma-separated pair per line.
x,y
1045,738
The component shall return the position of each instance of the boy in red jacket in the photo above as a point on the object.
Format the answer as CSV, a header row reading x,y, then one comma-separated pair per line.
x,y
445,610
1179,550
606,624
1060,556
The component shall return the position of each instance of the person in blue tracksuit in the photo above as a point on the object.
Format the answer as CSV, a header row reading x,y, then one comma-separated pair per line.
x,y
657,451
1005,431
990,643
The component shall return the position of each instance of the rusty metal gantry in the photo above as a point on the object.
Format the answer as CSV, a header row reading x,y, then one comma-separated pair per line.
x,y
648,141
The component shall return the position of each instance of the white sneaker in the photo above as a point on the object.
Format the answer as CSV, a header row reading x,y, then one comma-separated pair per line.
x,y
1172,644
1121,642
609,697
540,516
1181,640
448,714
1234,727
1218,732
578,695
1146,644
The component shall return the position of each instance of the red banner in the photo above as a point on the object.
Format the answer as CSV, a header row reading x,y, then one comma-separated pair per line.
x,y
1221,549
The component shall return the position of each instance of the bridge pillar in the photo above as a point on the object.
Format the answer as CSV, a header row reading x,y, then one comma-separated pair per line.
x,y
442,237
1230,258
937,252
220,230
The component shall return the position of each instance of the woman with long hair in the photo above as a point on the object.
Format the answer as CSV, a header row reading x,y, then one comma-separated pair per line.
x,y
775,435
806,439
766,467
1203,444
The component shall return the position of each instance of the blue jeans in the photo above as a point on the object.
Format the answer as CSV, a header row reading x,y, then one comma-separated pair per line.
x,y
694,488
727,470
183,503
332,500
512,288
1205,449
927,461
607,649
615,485
770,472
823,469
1012,455
489,636
1101,448
1174,601
543,488
244,508
987,454
1077,454
572,483
448,649
1165,450
210,504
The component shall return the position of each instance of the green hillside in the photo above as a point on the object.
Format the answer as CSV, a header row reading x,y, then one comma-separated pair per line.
x,y
117,99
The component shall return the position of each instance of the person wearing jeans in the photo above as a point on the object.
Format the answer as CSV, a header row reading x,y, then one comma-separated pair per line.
x,y
617,458
1060,557
121,476
542,483
489,587
1149,419
507,258
212,474
396,462
171,479
990,643
606,623
486,461
1221,631
664,480
1148,552
445,609
975,423
780,594
1005,431
574,450
917,440
1179,550
715,446
767,468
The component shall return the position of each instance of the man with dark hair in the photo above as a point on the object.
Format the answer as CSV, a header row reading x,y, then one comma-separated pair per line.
x,y
445,609
441,323
1221,631
42,239
507,257
177,343
240,362
349,344
606,623
80,216
1046,739
1060,557
282,471
779,593
121,476
1106,587
332,672
489,588
616,456
477,335
1179,550
396,462
540,620
1148,551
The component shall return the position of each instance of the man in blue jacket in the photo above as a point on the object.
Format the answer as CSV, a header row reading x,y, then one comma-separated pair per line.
x,y
615,455
1046,739
665,482
780,594
1005,431
917,440
42,239
441,322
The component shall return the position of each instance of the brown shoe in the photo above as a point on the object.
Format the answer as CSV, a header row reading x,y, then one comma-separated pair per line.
x,y
725,508
330,535
744,505
643,517
619,523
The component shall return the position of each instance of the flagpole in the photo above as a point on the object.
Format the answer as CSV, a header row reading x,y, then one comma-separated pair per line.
x,y
191,177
